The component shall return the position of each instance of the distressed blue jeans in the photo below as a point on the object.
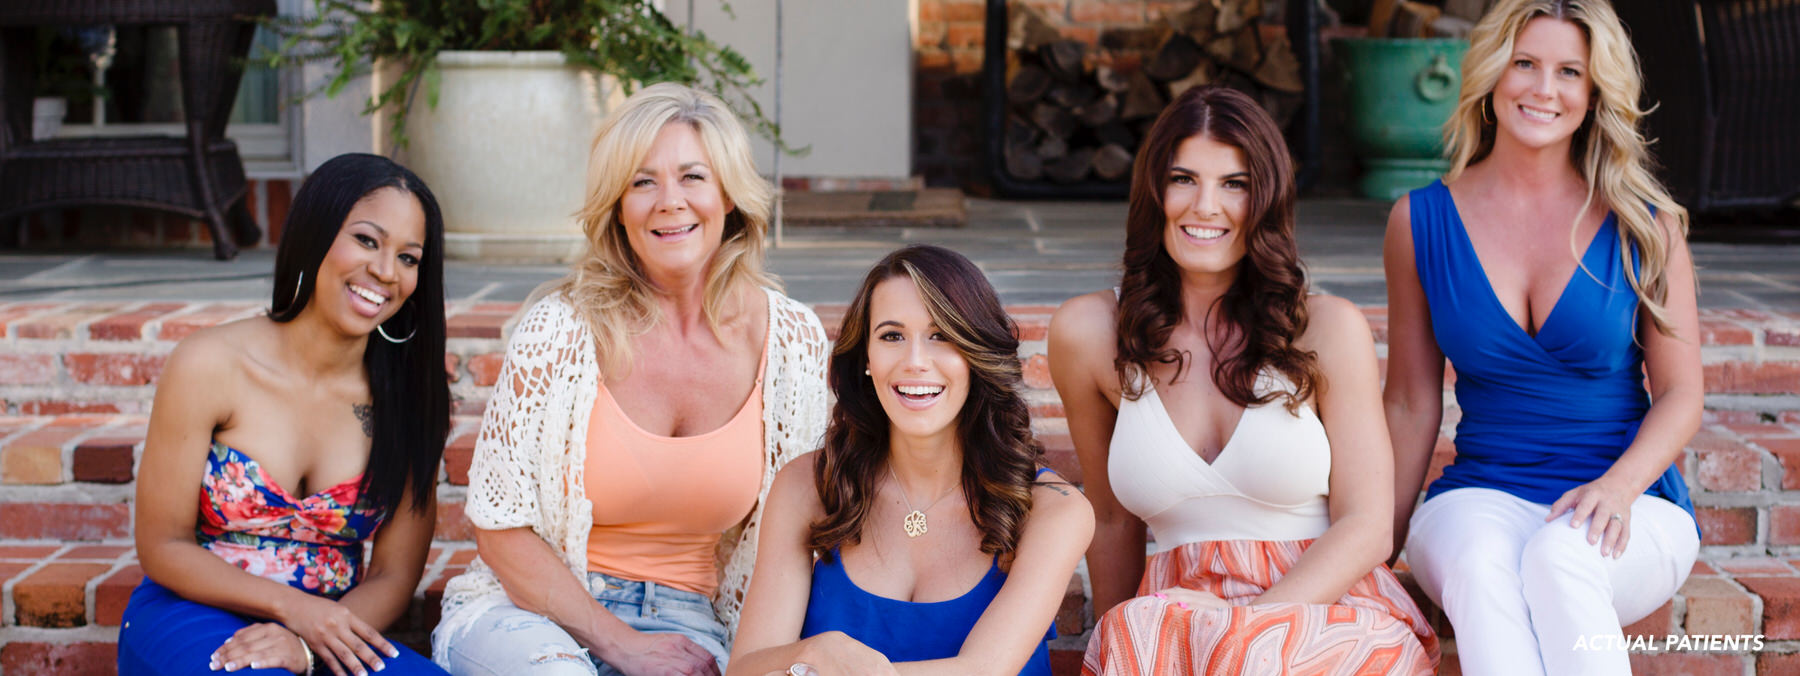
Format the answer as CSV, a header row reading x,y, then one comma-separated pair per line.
x,y
511,640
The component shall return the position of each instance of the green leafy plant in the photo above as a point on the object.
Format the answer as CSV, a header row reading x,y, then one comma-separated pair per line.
x,y
628,39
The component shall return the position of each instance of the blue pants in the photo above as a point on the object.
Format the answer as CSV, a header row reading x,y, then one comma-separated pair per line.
x,y
166,634
508,640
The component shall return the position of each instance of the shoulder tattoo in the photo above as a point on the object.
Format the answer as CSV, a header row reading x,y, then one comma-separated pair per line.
x,y
366,414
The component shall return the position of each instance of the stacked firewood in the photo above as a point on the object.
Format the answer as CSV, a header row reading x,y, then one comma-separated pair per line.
x,y
1076,112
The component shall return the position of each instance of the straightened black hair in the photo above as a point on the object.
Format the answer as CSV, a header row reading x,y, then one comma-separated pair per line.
x,y
407,383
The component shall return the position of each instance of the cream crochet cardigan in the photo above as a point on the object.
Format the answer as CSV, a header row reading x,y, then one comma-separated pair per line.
x,y
527,468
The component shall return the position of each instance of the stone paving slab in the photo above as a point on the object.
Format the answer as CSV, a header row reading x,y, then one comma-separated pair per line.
x,y
1034,252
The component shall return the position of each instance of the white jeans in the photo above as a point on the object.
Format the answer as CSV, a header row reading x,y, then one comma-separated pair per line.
x,y
1521,592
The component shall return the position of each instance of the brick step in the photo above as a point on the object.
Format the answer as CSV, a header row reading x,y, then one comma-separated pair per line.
x,y
74,597
99,357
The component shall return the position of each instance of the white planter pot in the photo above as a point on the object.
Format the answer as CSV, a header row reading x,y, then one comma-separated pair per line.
x,y
47,116
506,152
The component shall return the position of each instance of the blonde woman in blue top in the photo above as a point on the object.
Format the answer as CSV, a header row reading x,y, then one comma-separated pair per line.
x,y
1550,268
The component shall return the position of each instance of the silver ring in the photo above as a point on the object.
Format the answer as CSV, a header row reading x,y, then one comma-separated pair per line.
x,y
1616,517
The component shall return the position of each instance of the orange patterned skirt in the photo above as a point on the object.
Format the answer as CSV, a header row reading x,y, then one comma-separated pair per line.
x,y
1374,629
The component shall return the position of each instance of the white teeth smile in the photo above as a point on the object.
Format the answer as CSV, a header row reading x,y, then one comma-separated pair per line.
x,y
670,232
920,390
1540,115
1198,232
367,295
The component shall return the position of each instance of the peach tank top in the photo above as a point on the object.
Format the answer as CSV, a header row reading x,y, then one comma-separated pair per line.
x,y
662,503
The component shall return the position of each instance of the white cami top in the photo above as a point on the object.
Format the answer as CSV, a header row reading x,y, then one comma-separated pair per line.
x,y
1269,482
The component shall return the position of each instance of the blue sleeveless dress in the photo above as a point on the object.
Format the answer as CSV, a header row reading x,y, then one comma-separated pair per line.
x,y
905,631
1540,414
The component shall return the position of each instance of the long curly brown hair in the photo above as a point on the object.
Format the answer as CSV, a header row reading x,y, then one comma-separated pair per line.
x,y
1265,307
1000,454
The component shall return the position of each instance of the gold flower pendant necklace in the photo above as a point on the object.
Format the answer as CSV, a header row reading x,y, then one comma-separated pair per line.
x,y
914,524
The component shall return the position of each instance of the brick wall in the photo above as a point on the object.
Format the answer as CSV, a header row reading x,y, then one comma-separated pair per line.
x,y
76,382
119,227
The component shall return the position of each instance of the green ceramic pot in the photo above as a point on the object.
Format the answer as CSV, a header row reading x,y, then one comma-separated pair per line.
x,y
1401,91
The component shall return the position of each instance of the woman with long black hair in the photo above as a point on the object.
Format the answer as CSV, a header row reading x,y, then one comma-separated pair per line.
x,y
304,433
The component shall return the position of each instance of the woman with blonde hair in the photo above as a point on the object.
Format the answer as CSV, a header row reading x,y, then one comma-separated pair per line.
x,y
645,405
1551,269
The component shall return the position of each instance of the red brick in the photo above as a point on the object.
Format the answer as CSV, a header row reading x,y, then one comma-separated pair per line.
x,y
1702,568
11,314
1066,662
106,460
111,594
280,194
452,367
1738,469
1724,332
1778,663
27,552
1782,336
1755,565
1774,377
95,553
1790,417
36,457
501,308
1758,430
475,325
461,557
1787,452
1059,454
59,407
62,325
961,10
1687,664
451,524
1037,372
963,34
1784,525
64,521
20,658
1442,454
1781,605
1656,625
1033,327
114,368
1047,410
486,368
27,369
1716,606
55,595
130,325
457,455
1726,525
1069,621
180,326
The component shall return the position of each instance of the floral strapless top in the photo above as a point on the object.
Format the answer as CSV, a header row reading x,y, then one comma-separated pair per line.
x,y
314,544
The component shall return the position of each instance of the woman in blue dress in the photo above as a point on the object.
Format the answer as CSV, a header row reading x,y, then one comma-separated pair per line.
x,y
1551,269
925,537
281,445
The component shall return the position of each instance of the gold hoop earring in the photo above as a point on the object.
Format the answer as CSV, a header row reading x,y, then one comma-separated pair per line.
x,y
1485,104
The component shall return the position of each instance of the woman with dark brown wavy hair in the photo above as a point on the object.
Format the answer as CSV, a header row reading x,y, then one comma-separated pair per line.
x,y
1211,397
925,537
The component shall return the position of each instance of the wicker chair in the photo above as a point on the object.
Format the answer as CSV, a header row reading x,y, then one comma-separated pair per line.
x,y
199,176
1725,77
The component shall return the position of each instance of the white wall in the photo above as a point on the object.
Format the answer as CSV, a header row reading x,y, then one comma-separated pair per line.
x,y
846,78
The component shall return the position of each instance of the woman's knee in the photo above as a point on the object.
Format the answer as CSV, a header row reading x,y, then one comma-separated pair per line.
x,y
510,640
1558,555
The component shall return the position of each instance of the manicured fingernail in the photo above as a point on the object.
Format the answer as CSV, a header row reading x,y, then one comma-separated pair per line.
x,y
255,665
231,666
1183,606
213,665
393,652
379,665
1160,595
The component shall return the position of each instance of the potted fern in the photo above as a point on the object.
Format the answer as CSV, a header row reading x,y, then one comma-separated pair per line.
x,y
493,102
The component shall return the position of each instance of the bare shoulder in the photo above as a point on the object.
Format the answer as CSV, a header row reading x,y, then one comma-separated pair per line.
x,y
793,487
1085,324
1058,502
216,351
1332,318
